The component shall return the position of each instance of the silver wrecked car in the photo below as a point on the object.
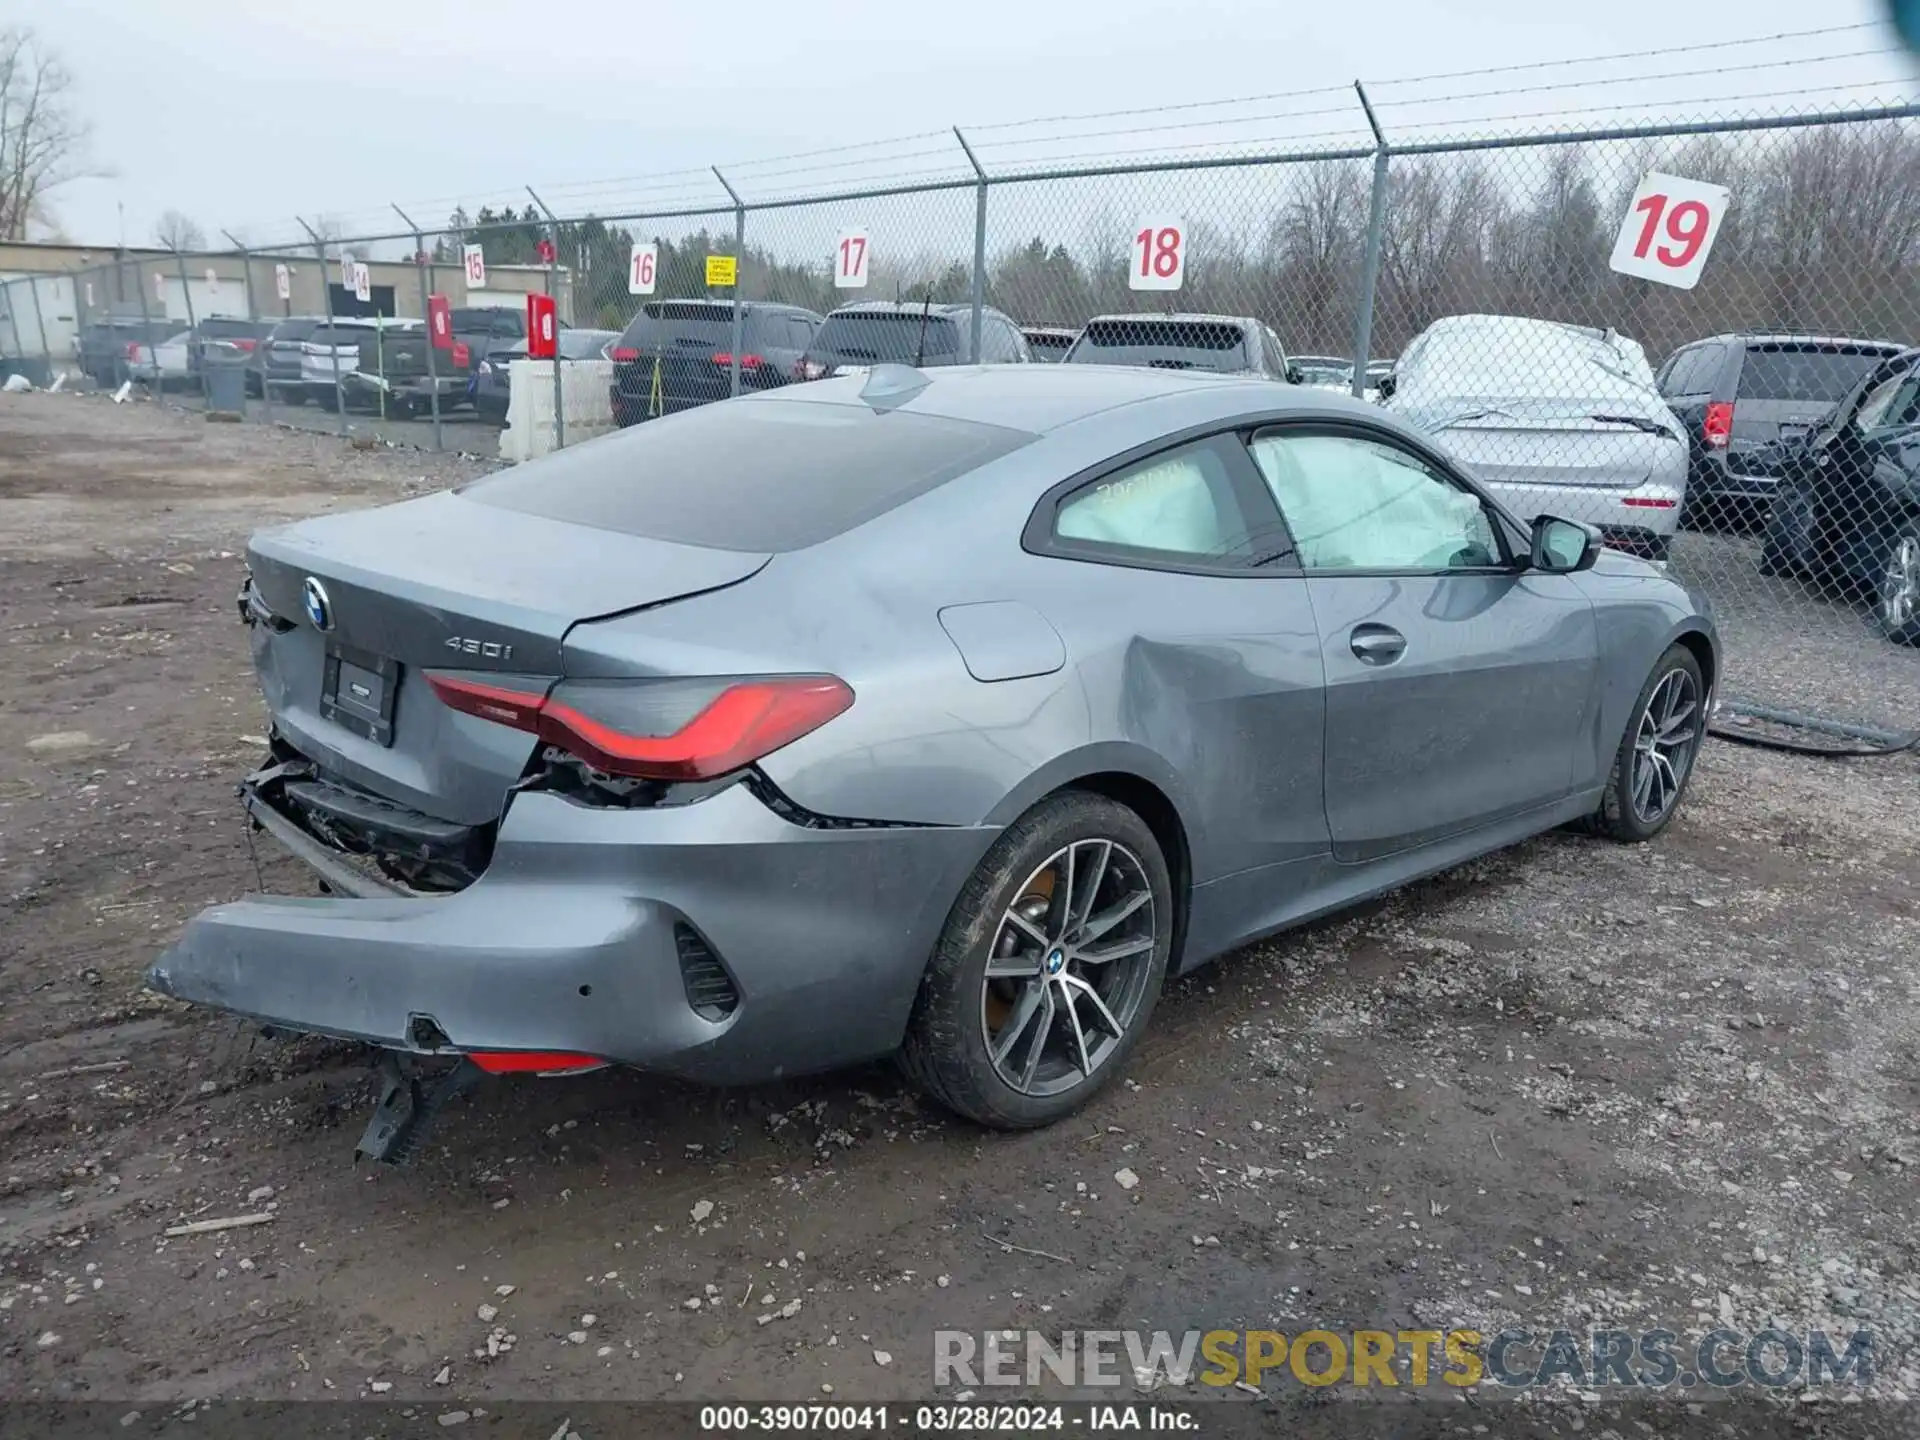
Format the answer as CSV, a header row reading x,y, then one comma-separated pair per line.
x,y
1553,419
941,714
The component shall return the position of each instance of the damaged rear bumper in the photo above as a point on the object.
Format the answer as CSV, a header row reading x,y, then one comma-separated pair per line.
x,y
714,940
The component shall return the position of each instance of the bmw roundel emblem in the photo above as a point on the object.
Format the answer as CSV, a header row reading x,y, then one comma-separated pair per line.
x,y
318,610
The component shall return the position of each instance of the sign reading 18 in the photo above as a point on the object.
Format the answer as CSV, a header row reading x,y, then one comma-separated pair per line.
x,y
1159,256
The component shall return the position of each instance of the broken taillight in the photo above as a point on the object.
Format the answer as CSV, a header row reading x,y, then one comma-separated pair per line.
x,y
659,729
1718,429
534,1062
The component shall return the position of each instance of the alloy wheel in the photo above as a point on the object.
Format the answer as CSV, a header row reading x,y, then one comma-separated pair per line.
x,y
1664,745
1068,967
1900,585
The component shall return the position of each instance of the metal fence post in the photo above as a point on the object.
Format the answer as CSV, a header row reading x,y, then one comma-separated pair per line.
x,y
186,296
423,272
553,293
979,241
253,318
326,294
146,327
40,320
739,264
1370,262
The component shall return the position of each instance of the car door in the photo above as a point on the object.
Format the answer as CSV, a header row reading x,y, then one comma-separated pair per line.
x,y
1187,612
1458,683
1866,473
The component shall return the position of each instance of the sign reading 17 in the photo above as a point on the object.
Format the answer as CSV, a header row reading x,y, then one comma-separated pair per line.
x,y
1159,256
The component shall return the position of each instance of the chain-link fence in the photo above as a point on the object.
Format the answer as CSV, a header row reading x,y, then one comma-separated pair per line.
x,y
1693,336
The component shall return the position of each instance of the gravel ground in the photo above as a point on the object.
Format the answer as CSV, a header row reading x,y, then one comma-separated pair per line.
x,y
1572,1084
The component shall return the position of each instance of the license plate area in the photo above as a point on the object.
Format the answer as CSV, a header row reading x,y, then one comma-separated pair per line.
x,y
357,690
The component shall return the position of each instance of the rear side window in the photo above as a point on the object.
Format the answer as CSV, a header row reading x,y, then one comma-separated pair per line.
x,y
223,329
1694,371
899,337
1823,374
753,476
293,330
1162,344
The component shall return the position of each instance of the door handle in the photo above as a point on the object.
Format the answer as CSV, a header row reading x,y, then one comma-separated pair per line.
x,y
1377,644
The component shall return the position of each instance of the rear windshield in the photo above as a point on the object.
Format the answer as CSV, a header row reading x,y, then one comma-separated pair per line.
x,y
1162,344
223,329
669,325
487,322
1805,372
899,337
294,329
752,475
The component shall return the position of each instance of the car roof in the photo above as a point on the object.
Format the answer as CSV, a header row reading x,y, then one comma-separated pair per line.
x,y
1179,315
894,307
1795,337
1034,398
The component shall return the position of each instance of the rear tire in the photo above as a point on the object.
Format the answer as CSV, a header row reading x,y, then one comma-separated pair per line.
x,y
1896,600
1656,756
1074,981
329,401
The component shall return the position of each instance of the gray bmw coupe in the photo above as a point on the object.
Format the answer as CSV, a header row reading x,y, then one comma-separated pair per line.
x,y
935,714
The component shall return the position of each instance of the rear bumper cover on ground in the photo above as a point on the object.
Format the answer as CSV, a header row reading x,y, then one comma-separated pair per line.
x,y
568,942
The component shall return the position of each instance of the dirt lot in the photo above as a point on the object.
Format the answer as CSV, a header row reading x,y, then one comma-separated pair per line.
x,y
1573,1084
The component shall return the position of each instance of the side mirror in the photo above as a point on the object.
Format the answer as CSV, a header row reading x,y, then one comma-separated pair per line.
x,y
1561,547
1383,387
1293,373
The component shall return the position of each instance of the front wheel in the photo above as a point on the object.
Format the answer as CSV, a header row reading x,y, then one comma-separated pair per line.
x,y
1896,601
1656,755
1048,968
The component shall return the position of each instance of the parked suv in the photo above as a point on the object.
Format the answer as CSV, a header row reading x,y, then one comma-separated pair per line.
x,y
1736,395
280,358
676,354
1224,344
106,345
896,332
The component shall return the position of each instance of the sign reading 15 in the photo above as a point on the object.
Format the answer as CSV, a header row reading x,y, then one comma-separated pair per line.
x,y
1159,256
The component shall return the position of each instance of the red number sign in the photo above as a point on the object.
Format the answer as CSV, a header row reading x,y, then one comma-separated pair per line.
x,y
1159,256
462,356
850,261
640,269
542,328
1669,230
544,249
440,321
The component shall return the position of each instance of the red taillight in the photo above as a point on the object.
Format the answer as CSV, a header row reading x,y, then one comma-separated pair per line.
x,y
730,728
133,350
1647,502
533,1062
1719,427
622,352
246,345
747,362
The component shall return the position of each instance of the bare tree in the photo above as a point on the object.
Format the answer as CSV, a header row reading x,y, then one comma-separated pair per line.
x,y
43,144
177,232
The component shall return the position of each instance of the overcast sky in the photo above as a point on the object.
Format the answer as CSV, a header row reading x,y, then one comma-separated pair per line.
x,y
243,116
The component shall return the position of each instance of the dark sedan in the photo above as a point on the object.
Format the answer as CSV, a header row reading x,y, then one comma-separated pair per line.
x,y
1847,507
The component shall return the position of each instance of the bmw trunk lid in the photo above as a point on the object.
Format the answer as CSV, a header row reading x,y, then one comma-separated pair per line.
x,y
347,610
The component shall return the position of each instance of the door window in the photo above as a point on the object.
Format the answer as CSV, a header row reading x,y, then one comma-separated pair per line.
x,y
1362,504
1892,404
